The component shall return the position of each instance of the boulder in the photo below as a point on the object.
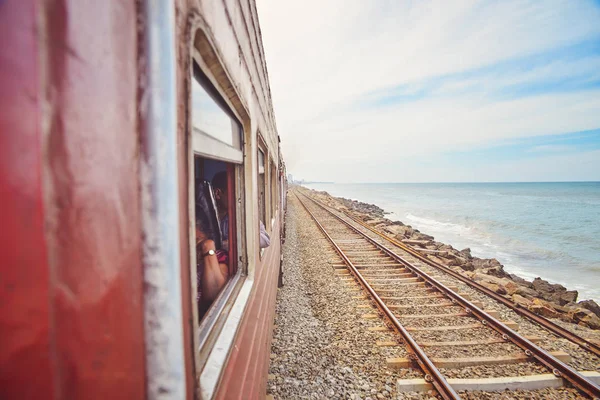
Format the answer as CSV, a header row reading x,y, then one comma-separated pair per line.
x,y
592,321
519,280
420,236
562,298
511,288
526,292
480,277
497,270
522,301
546,287
494,287
468,266
395,230
543,310
466,253
457,261
486,263
495,263
583,316
562,309
444,247
590,305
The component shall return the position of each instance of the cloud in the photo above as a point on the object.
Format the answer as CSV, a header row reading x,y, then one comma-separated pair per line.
x,y
552,148
357,84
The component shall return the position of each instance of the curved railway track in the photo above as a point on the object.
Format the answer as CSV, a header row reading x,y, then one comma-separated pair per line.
x,y
413,301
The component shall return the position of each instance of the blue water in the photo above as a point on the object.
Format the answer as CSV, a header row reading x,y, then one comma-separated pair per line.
x,y
550,230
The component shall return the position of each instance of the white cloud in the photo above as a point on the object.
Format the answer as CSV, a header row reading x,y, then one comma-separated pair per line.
x,y
553,148
328,60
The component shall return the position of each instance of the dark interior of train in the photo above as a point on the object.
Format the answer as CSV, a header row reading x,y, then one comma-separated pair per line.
x,y
212,181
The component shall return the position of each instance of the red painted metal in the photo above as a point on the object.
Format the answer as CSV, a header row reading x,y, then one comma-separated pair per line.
x,y
188,301
245,375
71,296
24,275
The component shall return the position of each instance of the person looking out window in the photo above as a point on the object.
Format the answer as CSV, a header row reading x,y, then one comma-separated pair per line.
x,y
211,264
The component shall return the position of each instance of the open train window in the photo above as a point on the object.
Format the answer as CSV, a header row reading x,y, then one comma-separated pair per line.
x,y
262,198
274,193
217,143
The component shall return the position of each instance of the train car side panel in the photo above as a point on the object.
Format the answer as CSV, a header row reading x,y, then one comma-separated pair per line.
x,y
92,197
24,282
248,363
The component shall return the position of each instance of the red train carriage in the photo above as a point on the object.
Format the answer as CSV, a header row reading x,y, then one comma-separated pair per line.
x,y
128,130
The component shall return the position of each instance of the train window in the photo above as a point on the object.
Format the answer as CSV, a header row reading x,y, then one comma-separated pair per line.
x,y
216,132
274,193
218,176
262,207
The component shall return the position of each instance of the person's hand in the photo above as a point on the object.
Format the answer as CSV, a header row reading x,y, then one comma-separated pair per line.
x,y
200,236
207,245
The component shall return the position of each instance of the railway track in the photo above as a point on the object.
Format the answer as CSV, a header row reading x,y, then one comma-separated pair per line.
x,y
433,320
543,323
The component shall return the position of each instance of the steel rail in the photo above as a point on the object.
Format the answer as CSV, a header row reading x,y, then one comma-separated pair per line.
x,y
545,323
557,367
432,374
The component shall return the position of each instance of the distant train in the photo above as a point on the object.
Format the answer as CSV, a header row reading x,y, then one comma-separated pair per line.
x,y
138,148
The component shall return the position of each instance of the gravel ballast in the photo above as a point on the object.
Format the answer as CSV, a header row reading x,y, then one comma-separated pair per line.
x,y
321,347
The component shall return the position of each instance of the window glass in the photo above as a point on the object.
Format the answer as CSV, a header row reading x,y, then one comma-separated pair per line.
x,y
214,203
261,186
274,193
209,117
216,132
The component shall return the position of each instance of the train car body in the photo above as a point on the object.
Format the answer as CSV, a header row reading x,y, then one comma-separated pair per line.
x,y
112,114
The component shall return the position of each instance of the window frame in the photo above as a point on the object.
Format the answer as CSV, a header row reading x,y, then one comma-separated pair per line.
x,y
261,147
203,143
206,332
274,192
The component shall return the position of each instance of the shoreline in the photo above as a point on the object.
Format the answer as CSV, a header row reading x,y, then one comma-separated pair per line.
x,y
540,296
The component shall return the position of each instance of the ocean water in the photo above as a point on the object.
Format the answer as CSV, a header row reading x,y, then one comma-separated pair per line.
x,y
550,230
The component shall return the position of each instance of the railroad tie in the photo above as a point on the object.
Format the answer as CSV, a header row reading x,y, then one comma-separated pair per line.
x,y
459,362
511,383
534,339
512,325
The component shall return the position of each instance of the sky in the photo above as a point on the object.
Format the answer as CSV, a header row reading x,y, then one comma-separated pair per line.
x,y
435,91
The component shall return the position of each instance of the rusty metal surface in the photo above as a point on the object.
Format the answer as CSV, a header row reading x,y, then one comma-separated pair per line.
x,y
429,369
553,364
71,294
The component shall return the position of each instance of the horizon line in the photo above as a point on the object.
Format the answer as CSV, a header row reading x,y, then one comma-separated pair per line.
x,y
389,182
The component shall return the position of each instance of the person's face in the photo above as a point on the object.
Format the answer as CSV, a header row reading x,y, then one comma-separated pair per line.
x,y
221,197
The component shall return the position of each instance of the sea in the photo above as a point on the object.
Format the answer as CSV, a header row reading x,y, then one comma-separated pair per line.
x,y
547,230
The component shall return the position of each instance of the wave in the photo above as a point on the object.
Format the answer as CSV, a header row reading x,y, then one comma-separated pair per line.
x,y
438,225
532,230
